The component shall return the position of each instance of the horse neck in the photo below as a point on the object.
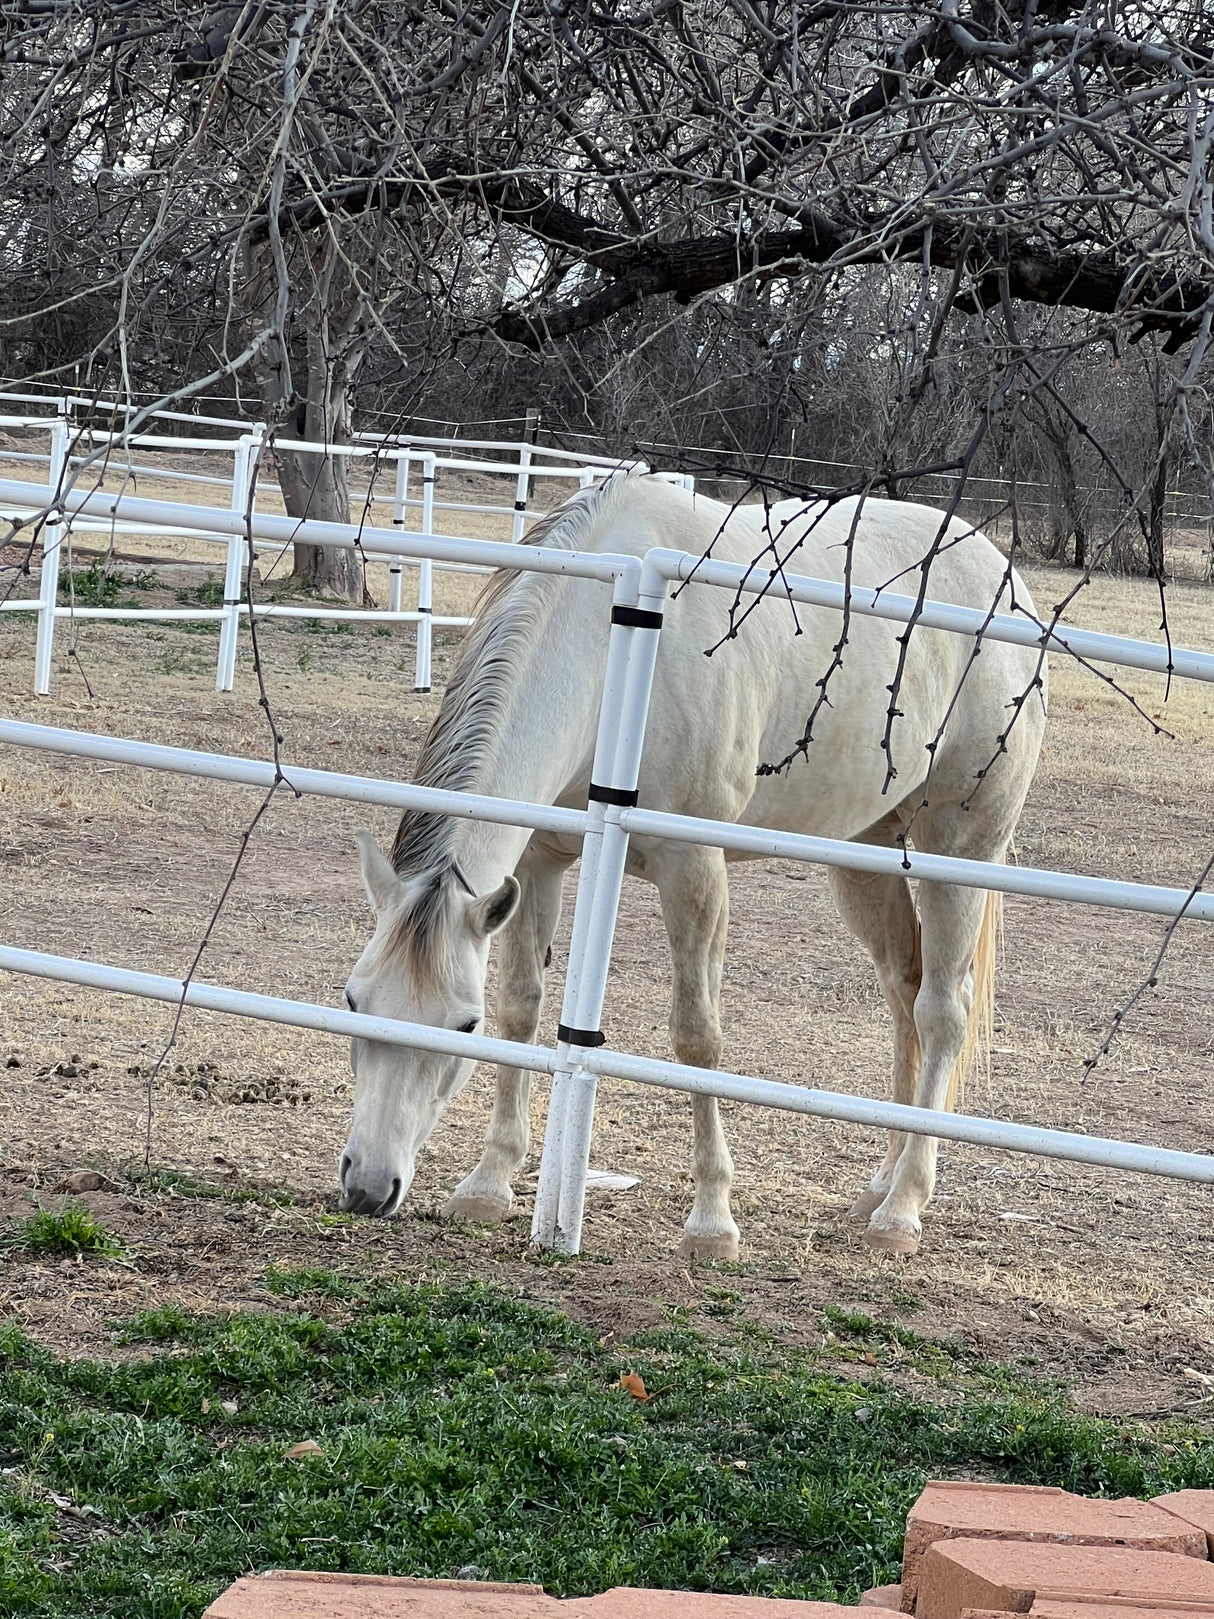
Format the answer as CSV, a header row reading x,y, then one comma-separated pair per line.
x,y
542,743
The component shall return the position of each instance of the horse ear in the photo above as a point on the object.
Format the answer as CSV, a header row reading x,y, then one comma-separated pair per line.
x,y
487,915
379,879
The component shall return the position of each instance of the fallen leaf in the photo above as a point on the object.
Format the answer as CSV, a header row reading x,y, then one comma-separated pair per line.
x,y
206,1408
633,1383
869,1358
85,1180
305,1447
1194,1376
230,1407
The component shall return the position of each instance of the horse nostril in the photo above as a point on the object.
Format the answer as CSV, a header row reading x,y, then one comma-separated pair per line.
x,y
392,1199
344,1168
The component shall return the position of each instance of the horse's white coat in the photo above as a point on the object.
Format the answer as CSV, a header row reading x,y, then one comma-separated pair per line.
x,y
712,722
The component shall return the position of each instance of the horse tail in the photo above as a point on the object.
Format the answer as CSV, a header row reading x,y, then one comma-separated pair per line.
x,y
980,1029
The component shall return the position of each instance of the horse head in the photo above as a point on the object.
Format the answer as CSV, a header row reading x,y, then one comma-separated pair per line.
x,y
425,963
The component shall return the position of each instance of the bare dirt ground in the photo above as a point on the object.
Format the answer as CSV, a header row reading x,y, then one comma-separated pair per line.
x,y
1104,1280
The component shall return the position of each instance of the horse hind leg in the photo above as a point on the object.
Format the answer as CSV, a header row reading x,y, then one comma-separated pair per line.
x,y
881,914
695,907
954,922
486,1194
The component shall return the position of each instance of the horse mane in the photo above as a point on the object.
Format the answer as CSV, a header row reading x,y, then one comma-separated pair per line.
x,y
509,613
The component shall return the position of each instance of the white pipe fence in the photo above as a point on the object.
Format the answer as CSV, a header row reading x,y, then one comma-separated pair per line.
x,y
1063,1144
245,452
639,588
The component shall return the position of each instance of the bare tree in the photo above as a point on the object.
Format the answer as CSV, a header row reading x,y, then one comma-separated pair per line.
x,y
278,191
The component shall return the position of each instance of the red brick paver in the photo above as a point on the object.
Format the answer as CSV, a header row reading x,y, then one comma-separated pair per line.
x,y
1193,1506
1099,1608
1011,1575
947,1510
299,1594
294,1594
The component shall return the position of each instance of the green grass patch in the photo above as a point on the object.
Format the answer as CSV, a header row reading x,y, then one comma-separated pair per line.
x,y
208,594
459,1426
178,1184
102,586
67,1232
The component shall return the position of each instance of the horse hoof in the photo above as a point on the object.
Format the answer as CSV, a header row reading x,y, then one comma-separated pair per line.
x,y
869,1201
724,1246
476,1208
891,1239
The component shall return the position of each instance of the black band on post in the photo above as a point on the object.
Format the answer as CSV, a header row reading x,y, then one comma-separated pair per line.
x,y
520,505
636,618
580,1037
231,601
425,609
622,797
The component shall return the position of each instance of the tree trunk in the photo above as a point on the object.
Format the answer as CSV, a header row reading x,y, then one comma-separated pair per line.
x,y
316,486
1081,545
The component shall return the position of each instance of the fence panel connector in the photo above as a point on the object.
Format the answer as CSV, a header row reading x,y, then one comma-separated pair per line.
x,y
632,651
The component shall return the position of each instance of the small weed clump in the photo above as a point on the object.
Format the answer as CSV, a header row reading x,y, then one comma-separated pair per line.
x,y
101,586
208,594
68,1231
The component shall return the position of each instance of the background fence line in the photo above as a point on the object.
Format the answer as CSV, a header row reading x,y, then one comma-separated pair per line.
x,y
526,468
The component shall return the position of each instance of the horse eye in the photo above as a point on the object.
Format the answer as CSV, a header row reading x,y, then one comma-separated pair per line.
x,y
469,1027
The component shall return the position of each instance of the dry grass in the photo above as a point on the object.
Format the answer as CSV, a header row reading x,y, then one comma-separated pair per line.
x,y
125,866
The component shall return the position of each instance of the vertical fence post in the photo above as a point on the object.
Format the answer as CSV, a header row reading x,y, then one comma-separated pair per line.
x,y
53,534
425,584
522,493
632,649
244,463
399,497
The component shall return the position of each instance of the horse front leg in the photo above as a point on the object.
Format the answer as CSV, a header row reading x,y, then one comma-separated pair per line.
x,y
695,907
526,941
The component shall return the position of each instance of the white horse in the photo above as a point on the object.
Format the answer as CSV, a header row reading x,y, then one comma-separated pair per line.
x,y
518,721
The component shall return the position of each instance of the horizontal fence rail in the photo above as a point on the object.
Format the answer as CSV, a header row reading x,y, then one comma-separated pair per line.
x,y
1064,1144
781,585
295,778
1025,881
678,566
269,526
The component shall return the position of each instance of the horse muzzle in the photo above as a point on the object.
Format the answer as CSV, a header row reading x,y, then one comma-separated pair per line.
x,y
369,1191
